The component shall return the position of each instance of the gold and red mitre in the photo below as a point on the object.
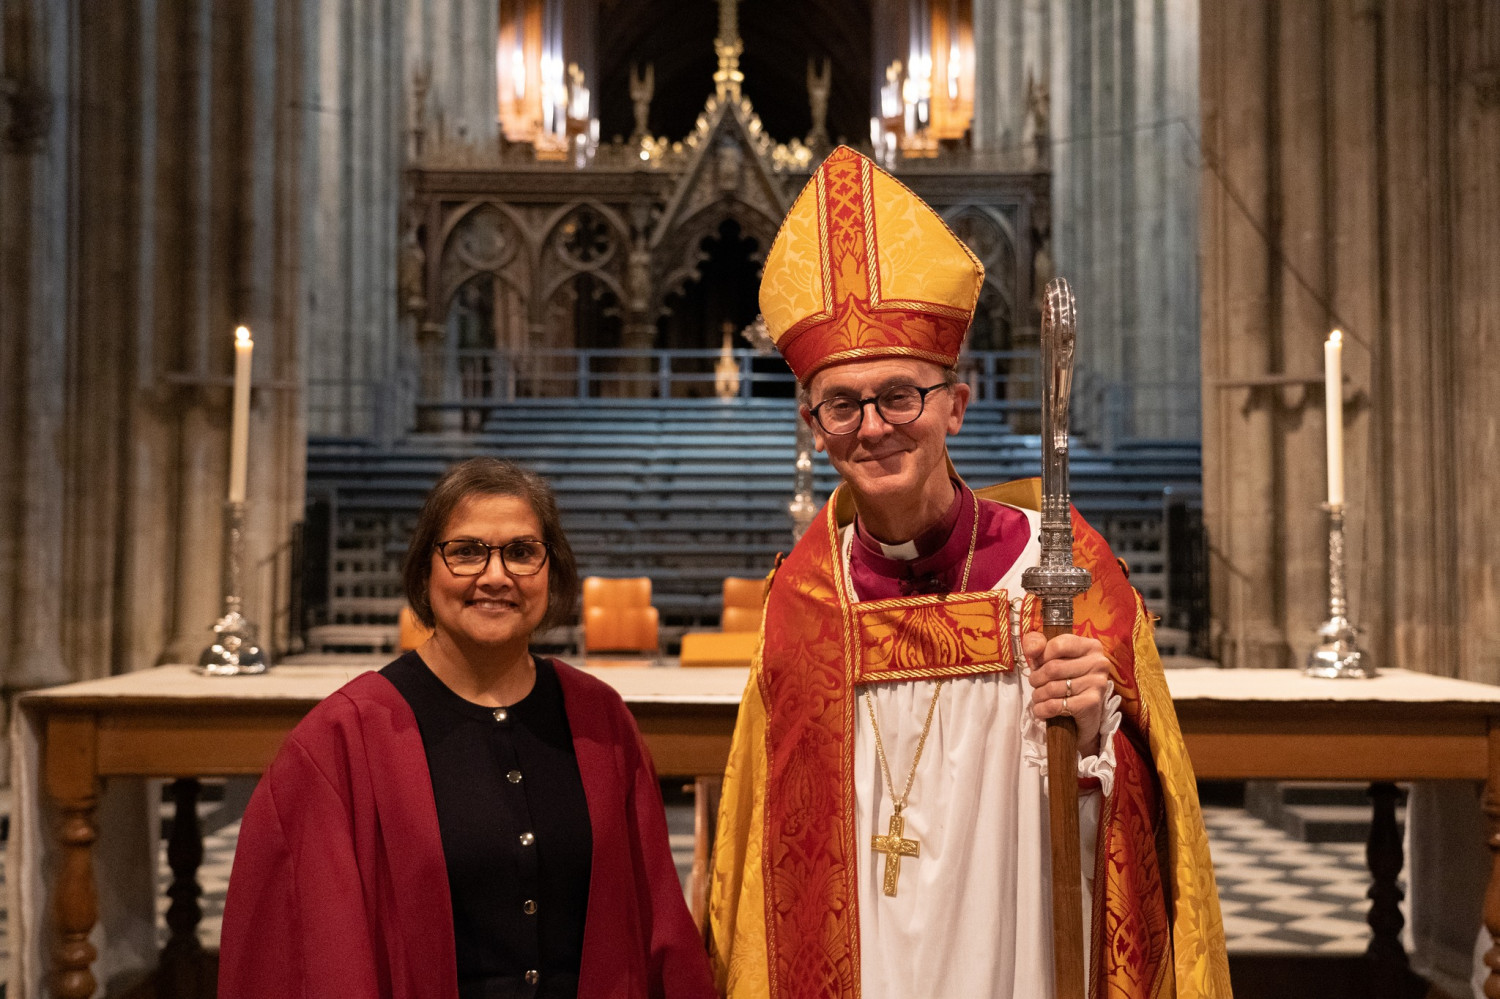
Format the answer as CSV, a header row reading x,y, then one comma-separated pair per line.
x,y
862,268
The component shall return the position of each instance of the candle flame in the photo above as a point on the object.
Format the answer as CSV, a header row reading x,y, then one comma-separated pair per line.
x,y
242,334
1336,336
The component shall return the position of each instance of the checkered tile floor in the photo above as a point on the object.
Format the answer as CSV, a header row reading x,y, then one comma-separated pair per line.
x,y
1277,894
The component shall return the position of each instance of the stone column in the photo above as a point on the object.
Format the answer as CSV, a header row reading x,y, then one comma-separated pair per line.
x,y
34,164
354,195
1239,454
1123,127
638,332
192,350
1472,134
455,40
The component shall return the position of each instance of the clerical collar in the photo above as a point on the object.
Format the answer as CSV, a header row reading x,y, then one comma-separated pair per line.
x,y
926,543
940,553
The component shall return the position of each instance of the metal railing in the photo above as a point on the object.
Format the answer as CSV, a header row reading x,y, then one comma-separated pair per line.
x,y
470,377
469,382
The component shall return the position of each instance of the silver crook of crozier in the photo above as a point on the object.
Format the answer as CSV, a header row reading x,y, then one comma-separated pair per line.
x,y
1056,580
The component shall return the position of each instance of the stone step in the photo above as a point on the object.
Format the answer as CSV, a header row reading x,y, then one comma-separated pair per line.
x,y
1314,811
1332,792
1331,823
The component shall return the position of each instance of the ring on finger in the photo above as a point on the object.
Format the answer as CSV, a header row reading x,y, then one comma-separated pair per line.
x,y
1068,683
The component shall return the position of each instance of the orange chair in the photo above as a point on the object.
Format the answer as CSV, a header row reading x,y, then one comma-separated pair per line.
x,y
618,616
631,591
744,603
742,619
620,629
719,648
410,632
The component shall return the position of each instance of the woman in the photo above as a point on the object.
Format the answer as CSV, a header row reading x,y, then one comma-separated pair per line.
x,y
472,821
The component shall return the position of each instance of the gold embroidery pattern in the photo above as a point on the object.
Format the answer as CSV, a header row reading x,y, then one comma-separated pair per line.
x,y
914,305
825,257
910,638
856,353
872,262
811,931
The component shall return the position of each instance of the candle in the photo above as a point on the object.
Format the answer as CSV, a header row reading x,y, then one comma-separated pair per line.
x,y
1333,393
909,100
239,436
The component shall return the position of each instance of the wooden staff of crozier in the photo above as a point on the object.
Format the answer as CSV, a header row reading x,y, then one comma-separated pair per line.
x,y
1056,581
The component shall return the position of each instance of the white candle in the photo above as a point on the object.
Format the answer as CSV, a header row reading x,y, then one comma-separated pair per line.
x,y
239,435
1333,393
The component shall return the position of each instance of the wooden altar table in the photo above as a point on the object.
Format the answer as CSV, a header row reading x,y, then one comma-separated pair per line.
x,y
75,741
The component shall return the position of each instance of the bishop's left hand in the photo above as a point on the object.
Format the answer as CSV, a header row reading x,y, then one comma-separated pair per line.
x,y
1069,675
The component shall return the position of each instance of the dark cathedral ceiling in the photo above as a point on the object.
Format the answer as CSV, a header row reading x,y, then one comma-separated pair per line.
x,y
779,35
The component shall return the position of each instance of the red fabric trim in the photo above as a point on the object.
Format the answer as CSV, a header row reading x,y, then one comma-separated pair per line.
x,y
812,919
862,333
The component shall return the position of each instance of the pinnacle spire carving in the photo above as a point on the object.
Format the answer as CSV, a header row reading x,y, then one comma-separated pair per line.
x,y
728,77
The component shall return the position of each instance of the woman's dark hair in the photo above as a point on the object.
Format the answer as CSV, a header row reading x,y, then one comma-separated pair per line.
x,y
492,477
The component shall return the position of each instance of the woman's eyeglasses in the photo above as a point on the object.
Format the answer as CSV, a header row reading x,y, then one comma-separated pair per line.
x,y
470,558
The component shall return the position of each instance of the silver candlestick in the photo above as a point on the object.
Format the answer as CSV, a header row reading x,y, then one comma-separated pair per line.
x,y
1337,654
234,651
802,508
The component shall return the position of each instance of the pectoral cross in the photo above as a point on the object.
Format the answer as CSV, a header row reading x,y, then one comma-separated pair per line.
x,y
894,848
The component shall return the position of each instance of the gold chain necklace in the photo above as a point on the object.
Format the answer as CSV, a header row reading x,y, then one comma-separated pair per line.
x,y
963,584
892,844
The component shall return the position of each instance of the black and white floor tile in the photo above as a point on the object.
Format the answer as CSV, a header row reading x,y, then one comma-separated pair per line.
x,y
1279,894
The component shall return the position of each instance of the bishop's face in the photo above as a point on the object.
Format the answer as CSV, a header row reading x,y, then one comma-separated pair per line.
x,y
890,465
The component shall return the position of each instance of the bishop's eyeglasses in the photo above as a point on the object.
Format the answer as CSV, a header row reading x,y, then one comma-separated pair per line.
x,y
465,557
897,405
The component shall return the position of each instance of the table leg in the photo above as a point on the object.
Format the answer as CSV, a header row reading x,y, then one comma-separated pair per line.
x,y
77,901
1383,853
1491,807
70,760
706,794
182,958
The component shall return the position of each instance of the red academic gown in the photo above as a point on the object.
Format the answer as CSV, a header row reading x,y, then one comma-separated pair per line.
x,y
339,887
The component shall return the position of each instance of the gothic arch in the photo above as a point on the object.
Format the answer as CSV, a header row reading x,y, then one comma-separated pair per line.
x,y
986,231
681,253
477,238
582,237
992,238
